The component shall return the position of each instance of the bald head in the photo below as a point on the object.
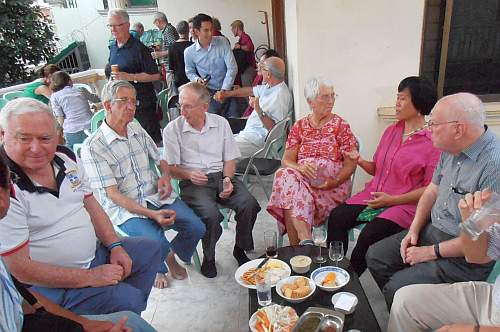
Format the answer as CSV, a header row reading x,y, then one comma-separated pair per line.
x,y
276,67
464,107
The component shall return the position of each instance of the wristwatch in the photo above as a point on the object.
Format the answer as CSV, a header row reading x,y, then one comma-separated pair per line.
x,y
262,114
227,177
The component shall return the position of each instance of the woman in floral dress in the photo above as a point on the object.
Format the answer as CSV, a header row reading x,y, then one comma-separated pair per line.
x,y
315,178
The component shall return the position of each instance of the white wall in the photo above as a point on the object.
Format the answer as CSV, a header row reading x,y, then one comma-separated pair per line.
x,y
91,26
365,47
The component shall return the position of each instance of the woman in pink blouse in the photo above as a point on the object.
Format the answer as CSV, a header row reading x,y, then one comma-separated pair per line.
x,y
315,178
402,167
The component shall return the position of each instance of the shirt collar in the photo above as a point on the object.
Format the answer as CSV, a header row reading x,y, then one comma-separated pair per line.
x,y
110,135
198,45
209,123
127,44
475,149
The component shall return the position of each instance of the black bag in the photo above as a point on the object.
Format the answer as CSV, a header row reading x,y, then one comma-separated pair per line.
x,y
42,320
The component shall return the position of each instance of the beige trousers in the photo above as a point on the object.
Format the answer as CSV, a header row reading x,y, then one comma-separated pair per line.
x,y
247,148
428,307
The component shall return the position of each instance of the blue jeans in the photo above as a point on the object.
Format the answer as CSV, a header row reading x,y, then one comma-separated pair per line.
x,y
190,229
134,321
74,138
130,294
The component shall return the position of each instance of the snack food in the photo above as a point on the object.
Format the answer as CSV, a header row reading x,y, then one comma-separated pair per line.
x,y
275,318
296,289
276,269
330,280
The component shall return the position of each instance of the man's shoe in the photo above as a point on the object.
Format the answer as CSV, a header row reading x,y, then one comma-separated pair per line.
x,y
208,269
240,256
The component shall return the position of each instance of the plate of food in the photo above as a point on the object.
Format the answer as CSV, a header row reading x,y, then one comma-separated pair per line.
x,y
273,318
330,278
276,269
295,289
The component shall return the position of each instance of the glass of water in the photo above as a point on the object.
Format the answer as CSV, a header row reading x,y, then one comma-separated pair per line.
x,y
336,251
263,286
319,238
482,218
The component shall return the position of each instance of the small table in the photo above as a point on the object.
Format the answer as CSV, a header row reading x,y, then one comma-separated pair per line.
x,y
363,317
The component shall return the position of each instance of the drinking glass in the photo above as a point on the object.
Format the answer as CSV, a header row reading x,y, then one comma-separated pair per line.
x,y
319,237
336,251
263,286
271,243
482,218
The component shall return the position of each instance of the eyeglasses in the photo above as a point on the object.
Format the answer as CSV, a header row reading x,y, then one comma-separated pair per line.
x,y
111,26
328,97
187,107
126,100
431,124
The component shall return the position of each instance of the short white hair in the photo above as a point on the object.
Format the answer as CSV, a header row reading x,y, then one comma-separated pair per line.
x,y
23,105
111,88
119,12
465,107
311,90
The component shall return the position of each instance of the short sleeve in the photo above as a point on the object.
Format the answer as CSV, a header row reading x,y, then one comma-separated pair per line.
x,y
294,137
14,232
100,175
171,144
345,137
231,150
432,161
148,64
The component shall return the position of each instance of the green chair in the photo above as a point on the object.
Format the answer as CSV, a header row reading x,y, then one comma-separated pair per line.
x,y
83,85
494,273
162,103
3,102
12,95
97,119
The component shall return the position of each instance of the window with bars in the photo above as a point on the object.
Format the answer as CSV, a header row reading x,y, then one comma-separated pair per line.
x,y
135,3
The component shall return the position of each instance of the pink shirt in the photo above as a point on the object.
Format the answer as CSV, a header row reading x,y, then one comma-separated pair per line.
x,y
399,169
245,40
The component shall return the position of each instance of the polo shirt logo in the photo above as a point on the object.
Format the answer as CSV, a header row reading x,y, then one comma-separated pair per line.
x,y
73,178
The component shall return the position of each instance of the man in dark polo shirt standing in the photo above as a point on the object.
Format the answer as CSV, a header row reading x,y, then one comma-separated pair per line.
x,y
136,66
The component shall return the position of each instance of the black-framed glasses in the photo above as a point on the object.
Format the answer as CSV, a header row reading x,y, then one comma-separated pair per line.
x,y
126,100
431,123
111,26
459,191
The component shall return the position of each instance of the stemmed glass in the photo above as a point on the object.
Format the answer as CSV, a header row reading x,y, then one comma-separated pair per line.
x,y
319,237
336,251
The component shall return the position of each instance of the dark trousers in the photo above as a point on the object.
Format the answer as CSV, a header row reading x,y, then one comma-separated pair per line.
x,y
145,113
343,218
204,199
387,268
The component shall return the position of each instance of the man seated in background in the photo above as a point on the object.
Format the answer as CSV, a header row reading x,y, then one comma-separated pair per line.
x,y
117,158
271,102
201,151
49,237
462,306
210,61
430,252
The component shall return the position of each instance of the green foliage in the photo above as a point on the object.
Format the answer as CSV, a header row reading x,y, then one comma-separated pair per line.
x,y
26,40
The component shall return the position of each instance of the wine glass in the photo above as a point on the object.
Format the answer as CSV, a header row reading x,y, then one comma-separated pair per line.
x,y
319,237
336,251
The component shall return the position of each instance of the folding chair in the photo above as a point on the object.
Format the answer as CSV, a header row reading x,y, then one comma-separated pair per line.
x,y
263,166
12,95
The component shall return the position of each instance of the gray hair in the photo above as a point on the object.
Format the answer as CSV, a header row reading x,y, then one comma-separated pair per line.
x,y
138,25
160,17
182,28
465,107
111,88
275,70
311,90
200,90
23,105
119,12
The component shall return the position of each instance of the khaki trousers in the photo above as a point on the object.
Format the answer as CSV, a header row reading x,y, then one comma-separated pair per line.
x,y
427,307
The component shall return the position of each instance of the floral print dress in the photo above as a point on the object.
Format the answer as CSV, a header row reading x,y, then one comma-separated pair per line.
x,y
320,146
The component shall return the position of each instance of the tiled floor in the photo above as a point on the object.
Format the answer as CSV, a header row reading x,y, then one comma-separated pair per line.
x,y
198,304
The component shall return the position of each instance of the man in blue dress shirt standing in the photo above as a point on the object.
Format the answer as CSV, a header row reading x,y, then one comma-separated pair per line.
x,y
210,61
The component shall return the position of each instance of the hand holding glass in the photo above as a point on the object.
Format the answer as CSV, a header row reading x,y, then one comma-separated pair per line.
x,y
336,251
482,218
319,237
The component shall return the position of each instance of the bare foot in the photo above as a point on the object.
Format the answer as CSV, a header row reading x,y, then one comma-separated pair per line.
x,y
177,271
161,281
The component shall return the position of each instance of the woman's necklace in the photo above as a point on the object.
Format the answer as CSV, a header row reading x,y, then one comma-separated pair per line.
x,y
413,131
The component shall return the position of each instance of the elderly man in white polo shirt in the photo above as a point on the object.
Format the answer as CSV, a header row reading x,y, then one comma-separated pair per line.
x,y
48,238
200,151
272,101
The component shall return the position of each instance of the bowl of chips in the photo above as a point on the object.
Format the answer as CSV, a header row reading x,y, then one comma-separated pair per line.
x,y
295,289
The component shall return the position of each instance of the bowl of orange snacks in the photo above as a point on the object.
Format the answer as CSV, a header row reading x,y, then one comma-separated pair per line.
x,y
273,318
330,278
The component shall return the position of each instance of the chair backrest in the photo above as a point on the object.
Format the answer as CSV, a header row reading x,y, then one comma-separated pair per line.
x,y
353,176
3,102
97,119
12,95
275,136
494,273
83,85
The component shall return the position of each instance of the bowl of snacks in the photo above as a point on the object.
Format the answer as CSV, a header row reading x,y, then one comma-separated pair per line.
x,y
330,278
295,289
300,264
274,317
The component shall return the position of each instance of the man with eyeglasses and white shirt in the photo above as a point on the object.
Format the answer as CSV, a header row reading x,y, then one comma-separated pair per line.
x,y
430,251
136,66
